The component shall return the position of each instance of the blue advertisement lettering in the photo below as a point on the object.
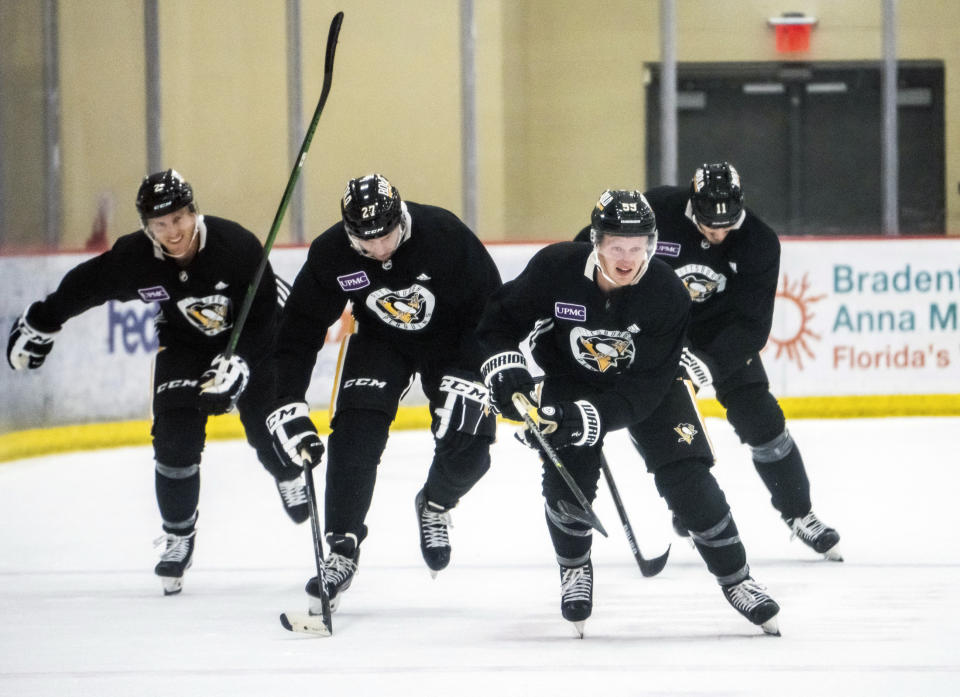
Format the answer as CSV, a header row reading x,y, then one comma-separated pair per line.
x,y
136,328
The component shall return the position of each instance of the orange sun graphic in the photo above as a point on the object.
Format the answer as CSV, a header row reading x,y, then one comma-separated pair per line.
x,y
791,321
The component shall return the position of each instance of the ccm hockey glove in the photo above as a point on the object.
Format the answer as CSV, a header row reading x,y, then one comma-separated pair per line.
x,y
505,374
566,423
464,414
295,437
697,367
27,347
222,384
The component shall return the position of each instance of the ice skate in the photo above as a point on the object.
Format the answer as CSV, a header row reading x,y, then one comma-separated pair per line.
x,y
340,567
434,522
750,599
176,558
293,493
576,594
812,532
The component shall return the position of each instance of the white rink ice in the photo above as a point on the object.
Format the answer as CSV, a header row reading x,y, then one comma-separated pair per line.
x,y
81,612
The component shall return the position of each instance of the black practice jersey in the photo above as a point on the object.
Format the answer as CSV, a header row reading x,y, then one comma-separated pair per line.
x,y
198,303
624,346
424,302
732,285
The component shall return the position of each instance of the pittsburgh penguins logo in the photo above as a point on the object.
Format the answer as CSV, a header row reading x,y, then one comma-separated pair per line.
x,y
701,281
409,309
686,433
211,315
601,350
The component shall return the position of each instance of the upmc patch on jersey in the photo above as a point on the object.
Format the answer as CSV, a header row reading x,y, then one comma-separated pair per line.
x,y
153,294
668,249
354,281
577,313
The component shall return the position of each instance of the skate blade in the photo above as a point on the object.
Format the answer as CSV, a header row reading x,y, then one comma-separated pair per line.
x,y
171,584
316,605
433,573
578,628
305,624
771,627
833,554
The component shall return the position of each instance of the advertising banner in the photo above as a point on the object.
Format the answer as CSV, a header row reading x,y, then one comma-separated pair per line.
x,y
866,317
852,317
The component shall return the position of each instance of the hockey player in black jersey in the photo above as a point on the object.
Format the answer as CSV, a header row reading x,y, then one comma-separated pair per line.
x,y
606,325
197,268
729,260
416,278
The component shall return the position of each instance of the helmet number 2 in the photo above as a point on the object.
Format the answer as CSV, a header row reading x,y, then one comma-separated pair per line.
x,y
629,206
368,211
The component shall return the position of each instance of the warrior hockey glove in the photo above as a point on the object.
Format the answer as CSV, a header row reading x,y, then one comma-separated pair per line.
x,y
464,414
222,384
505,374
27,347
564,424
697,367
294,436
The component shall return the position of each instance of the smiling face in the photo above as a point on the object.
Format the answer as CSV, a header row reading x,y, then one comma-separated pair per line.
x,y
621,259
177,233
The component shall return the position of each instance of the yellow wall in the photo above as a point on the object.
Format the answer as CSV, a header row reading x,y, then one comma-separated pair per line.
x,y
103,128
576,95
21,135
560,87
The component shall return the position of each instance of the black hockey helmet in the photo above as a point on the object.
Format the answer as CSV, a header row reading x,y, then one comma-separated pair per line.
x,y
715,195
162,193
371,207
622,212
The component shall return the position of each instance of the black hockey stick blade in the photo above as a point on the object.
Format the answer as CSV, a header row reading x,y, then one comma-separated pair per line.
x,y
332,37
652,567
523,406
648,567
571,511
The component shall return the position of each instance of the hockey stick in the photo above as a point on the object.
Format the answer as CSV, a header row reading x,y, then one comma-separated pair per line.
x,y
586,515
648,567
322,624
291,183
307,623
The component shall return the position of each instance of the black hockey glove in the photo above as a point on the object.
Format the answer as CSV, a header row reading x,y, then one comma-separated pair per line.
x,y
222,384
506,374
564,424
27,347
295,437
464,415
699,367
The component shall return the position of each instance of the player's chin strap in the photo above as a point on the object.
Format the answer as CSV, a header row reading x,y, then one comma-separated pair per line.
x,y
405,226
159,251
595,257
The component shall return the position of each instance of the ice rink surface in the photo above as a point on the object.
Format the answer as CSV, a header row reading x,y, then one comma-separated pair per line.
x,y
81,612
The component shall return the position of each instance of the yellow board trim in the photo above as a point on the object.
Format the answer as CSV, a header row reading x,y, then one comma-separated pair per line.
x,y
44,441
